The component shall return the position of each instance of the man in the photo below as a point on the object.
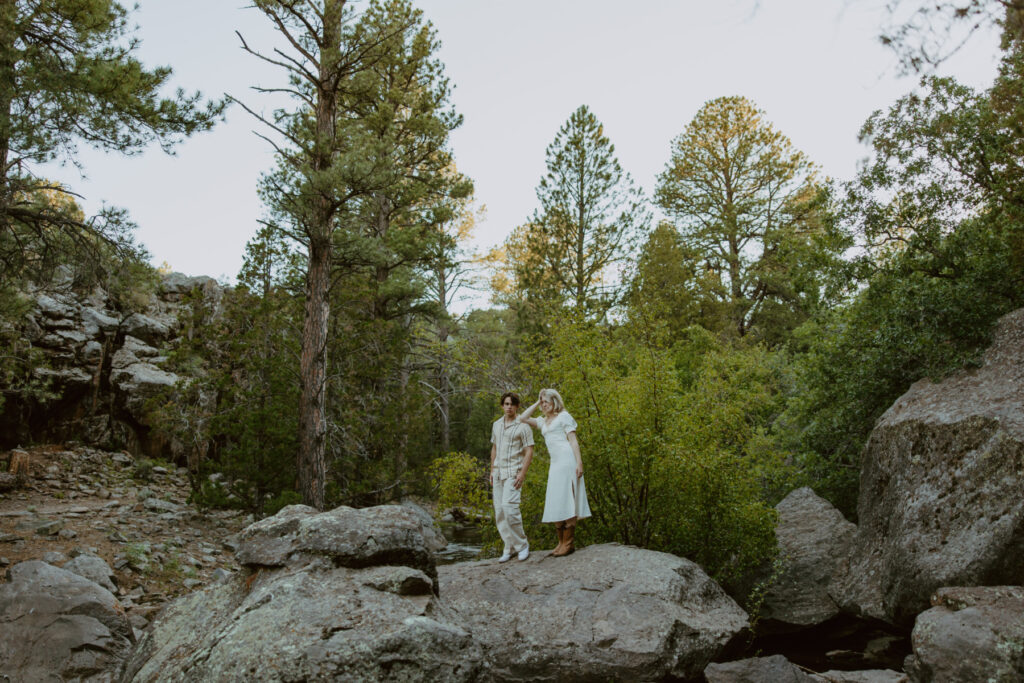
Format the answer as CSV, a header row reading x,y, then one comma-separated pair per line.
x,y
511,454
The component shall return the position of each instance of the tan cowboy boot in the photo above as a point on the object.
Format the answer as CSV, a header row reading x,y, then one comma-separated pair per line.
x,y
559,533
564,545
567,547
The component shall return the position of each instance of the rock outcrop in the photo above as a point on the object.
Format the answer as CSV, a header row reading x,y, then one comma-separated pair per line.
x,y
940,491
102,362
349,537
342,595
56,623
605,612
971,634
814,539
354,595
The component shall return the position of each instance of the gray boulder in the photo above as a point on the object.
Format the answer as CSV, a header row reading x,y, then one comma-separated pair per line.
x,y
778,669
971,634
940,501
432,536
814,539
606,612
93,568
773,669
326,597
148,329
347,537
57,625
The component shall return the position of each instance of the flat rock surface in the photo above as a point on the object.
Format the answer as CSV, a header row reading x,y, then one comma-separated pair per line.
x,y
774,669
605,612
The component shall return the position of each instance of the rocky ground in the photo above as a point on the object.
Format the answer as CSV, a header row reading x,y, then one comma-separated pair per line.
x,y
131,513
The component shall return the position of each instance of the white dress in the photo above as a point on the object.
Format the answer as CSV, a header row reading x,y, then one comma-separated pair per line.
x,y
566,496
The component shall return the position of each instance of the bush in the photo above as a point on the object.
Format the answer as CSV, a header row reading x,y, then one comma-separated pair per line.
x,y
675,442
461,484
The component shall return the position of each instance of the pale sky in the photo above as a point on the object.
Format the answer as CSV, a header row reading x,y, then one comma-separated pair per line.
x,y
519,70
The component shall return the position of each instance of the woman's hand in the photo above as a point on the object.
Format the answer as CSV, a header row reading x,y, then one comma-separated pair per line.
x,y
579,469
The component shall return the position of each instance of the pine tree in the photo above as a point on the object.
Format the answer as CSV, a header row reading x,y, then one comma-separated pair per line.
x,y
749,206
358,170
590,214
68,75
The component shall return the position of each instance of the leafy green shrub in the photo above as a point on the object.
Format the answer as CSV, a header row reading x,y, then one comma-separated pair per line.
x,y
676,450
461,483
282,500
143,470
213,494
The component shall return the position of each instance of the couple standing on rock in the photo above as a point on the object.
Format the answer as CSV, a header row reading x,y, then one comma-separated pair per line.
x,y
511,453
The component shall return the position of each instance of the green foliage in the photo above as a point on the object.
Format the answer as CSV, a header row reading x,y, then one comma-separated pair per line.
x,y
362,182
237,416
751,211
143,470
939,211
211,493
282,500
461,483
68,75
673,461
590,216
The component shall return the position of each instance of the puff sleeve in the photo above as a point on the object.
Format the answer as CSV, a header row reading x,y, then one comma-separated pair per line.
x,y
568,423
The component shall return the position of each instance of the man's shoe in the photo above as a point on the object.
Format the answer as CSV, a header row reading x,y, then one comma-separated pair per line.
x,y
506,557
524,553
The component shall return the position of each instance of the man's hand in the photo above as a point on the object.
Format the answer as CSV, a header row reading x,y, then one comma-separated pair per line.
x,y
490,477
518,483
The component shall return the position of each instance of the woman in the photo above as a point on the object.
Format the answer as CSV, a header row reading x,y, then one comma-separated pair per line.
x,y
566,499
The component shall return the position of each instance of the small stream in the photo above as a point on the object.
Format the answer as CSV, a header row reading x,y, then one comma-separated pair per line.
x,y
464,543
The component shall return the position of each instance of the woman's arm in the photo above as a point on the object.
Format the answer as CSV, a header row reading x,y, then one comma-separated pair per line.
x,y
571,436
525,418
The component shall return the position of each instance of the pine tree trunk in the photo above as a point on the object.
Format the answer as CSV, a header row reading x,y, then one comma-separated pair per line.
x,y
312,466
8,16
311,460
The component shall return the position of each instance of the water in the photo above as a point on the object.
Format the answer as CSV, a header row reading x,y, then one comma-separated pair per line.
x,y
464,543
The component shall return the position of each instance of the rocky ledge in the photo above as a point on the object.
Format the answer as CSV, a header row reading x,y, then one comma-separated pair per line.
x,y
350,595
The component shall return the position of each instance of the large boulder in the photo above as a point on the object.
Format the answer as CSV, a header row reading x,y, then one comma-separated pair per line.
x,y
93,568
58,625
814,539
342,595
606,612
940,490
348,537
971,634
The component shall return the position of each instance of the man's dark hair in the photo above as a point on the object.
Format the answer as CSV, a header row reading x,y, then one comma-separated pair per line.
x,y
509,394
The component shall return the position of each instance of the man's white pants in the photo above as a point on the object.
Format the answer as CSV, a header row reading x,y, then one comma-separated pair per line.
x,y
507,515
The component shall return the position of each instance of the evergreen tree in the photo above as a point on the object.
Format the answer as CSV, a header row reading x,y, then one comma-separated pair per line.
x,y
749,205
68,75
590,214
358,180
672,286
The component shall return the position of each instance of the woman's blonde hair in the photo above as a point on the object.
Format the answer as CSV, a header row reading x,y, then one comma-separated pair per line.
x,y
557,404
